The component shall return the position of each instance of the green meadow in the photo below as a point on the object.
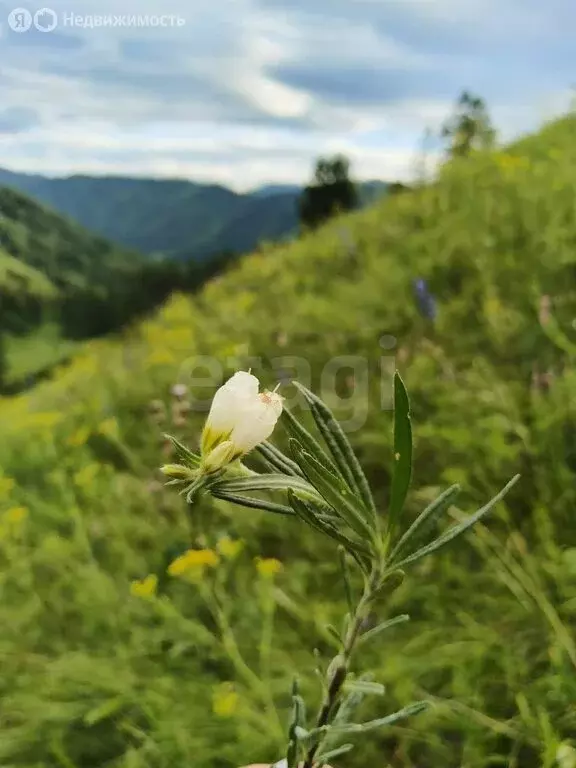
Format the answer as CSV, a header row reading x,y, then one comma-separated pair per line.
x,y
110,661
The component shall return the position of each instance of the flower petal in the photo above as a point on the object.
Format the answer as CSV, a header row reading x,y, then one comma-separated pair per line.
x,y
223,411
256,422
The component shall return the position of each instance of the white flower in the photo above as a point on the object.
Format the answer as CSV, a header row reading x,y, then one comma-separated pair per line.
x,y
240,418
566,756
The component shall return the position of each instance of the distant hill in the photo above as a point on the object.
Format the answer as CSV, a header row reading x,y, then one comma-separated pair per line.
x,y
58,279
18,280
173,217
276,189
66,254
53,269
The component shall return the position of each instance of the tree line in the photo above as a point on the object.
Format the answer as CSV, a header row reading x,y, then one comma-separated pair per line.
x,y
332,191
105,307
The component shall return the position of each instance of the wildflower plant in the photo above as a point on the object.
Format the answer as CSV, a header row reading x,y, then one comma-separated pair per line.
x,y
424,299
322,484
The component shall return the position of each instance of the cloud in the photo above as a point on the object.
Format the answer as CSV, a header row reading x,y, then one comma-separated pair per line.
x,y
251,91
14,120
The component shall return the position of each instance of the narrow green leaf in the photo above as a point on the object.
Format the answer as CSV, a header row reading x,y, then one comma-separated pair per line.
x,y
365,686
426,519
278,460
248,501
268,467
106,709
306,511
346,619
371,725
324,757
292,754
271,482
300,710
185,455
393,580
402,453
335,635
340,447
194,488
335,492
297,725
457,530
348,707
554,332
296,693
173,482
300,435
372,633
346,578
274,482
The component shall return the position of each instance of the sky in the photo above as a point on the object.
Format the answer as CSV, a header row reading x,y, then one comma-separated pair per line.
x,y
251,92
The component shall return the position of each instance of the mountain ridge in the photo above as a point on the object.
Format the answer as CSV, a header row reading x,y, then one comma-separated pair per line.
x,y
172,217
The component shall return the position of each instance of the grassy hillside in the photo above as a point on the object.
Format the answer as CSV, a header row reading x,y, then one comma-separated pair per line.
x,y
174,217
52,272
23,290
94,675
33,355
67,254
19,279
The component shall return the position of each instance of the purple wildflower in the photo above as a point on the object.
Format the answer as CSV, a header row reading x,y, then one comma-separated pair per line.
x,y
424,298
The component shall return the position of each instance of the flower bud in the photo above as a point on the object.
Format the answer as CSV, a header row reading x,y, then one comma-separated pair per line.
x,y
177,472
221,455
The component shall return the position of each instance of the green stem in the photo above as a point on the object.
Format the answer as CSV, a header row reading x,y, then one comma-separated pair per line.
x,y
331,700
259,687
266,640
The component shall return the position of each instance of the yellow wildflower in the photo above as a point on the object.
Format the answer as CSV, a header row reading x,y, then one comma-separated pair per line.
x,y
178,310
160,357
109,427
193,561
47,420
78,438
178,338
224,700
6,485
145,587
493,308
245,301
229,548
268,566
85,477
16,515
86,364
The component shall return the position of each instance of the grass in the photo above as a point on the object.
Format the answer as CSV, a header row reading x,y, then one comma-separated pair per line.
x,y
35,352
96,676
18,278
